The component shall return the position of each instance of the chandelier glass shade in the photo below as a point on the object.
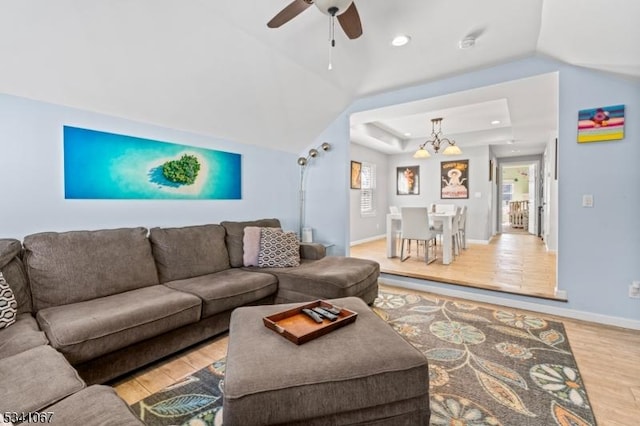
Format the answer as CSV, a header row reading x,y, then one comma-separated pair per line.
x,y
437,142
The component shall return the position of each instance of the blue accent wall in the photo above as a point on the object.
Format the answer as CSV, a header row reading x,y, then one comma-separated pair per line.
x,y
32,198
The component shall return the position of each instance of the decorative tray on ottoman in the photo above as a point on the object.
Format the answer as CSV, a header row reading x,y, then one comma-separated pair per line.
x,y
295,325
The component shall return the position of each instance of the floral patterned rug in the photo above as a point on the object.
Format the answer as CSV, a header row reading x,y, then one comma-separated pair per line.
x,y
486,367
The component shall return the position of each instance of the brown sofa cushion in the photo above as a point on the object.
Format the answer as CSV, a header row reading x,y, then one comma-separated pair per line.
x,y
228,289
93,406
189,251
75,266
235,234
35,379
86,330
13,269
23,335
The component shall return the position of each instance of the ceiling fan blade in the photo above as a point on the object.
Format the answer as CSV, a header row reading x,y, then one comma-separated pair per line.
x,y
288,13
350,22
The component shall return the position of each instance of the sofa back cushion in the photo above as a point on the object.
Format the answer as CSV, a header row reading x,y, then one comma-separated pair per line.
x,y
235,234
189,251
76,266
13,270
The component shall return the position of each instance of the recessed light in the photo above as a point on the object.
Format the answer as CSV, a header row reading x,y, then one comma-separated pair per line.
x,y
495,122
400,40
407,134
511,142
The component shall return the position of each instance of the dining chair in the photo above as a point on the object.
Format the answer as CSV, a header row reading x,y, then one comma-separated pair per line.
x,y
455,229
462,225
415,226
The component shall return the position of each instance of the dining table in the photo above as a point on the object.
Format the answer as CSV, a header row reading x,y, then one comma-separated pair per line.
x,y
394,225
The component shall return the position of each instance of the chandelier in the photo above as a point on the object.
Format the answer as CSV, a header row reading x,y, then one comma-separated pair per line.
x,y
436,142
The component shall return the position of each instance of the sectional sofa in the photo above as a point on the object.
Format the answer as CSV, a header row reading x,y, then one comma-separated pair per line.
x,y
93,305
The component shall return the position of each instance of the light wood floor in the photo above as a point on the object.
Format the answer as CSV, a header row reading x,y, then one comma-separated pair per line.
x,y
512,263
608,359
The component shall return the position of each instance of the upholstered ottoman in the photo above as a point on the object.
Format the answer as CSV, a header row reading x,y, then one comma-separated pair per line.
x,y
362,373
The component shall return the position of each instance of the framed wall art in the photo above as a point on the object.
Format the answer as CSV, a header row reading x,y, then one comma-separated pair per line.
x,y
454,179
356,175
101,165
408,180
601,124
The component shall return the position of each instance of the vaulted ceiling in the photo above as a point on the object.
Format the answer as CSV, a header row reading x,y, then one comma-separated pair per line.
x,y
213,67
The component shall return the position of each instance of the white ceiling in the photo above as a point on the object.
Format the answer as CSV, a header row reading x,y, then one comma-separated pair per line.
x,y
213,67
527,111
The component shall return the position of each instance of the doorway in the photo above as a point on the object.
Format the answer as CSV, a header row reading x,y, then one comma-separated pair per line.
x,y
519,197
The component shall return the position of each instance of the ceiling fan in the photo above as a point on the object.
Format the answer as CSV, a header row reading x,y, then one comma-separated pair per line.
x,y
344,10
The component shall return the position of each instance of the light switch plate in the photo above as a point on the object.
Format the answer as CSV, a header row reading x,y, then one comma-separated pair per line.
x,y
587,200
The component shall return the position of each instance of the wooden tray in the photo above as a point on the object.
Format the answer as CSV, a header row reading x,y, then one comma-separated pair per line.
x,y
294,325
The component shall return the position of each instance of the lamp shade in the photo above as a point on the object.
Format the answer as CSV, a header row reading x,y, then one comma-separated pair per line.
x,y
452,150
421,153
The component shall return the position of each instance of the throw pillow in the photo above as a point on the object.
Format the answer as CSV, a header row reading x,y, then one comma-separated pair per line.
x,y
278,249
251,245
8,304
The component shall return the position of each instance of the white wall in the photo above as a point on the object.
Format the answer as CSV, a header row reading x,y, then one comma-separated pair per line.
x,y
598,256
31,171
479,201
363,228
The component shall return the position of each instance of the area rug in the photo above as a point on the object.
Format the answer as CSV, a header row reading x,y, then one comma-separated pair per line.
x,y
486,367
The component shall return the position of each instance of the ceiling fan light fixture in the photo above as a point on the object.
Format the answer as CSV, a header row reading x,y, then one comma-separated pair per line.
x,y
400,40
326,6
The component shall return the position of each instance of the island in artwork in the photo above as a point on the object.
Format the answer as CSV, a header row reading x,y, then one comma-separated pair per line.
x,y
184,171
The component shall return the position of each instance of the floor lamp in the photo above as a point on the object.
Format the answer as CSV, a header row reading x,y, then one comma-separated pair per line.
x,y
303,162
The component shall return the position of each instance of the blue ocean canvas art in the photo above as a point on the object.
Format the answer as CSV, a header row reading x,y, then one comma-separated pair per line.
x,y
101,165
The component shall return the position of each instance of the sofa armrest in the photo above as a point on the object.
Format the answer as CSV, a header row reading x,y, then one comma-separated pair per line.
x,y
312,251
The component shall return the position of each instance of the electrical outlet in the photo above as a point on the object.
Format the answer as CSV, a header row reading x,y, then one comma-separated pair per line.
x,y
634,290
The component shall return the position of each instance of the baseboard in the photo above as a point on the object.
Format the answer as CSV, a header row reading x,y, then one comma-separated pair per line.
x,y
519,304
367,240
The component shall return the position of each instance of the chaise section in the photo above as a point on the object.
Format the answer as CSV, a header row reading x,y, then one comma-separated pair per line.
x,y
327,278
86,330
35,379
228,289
